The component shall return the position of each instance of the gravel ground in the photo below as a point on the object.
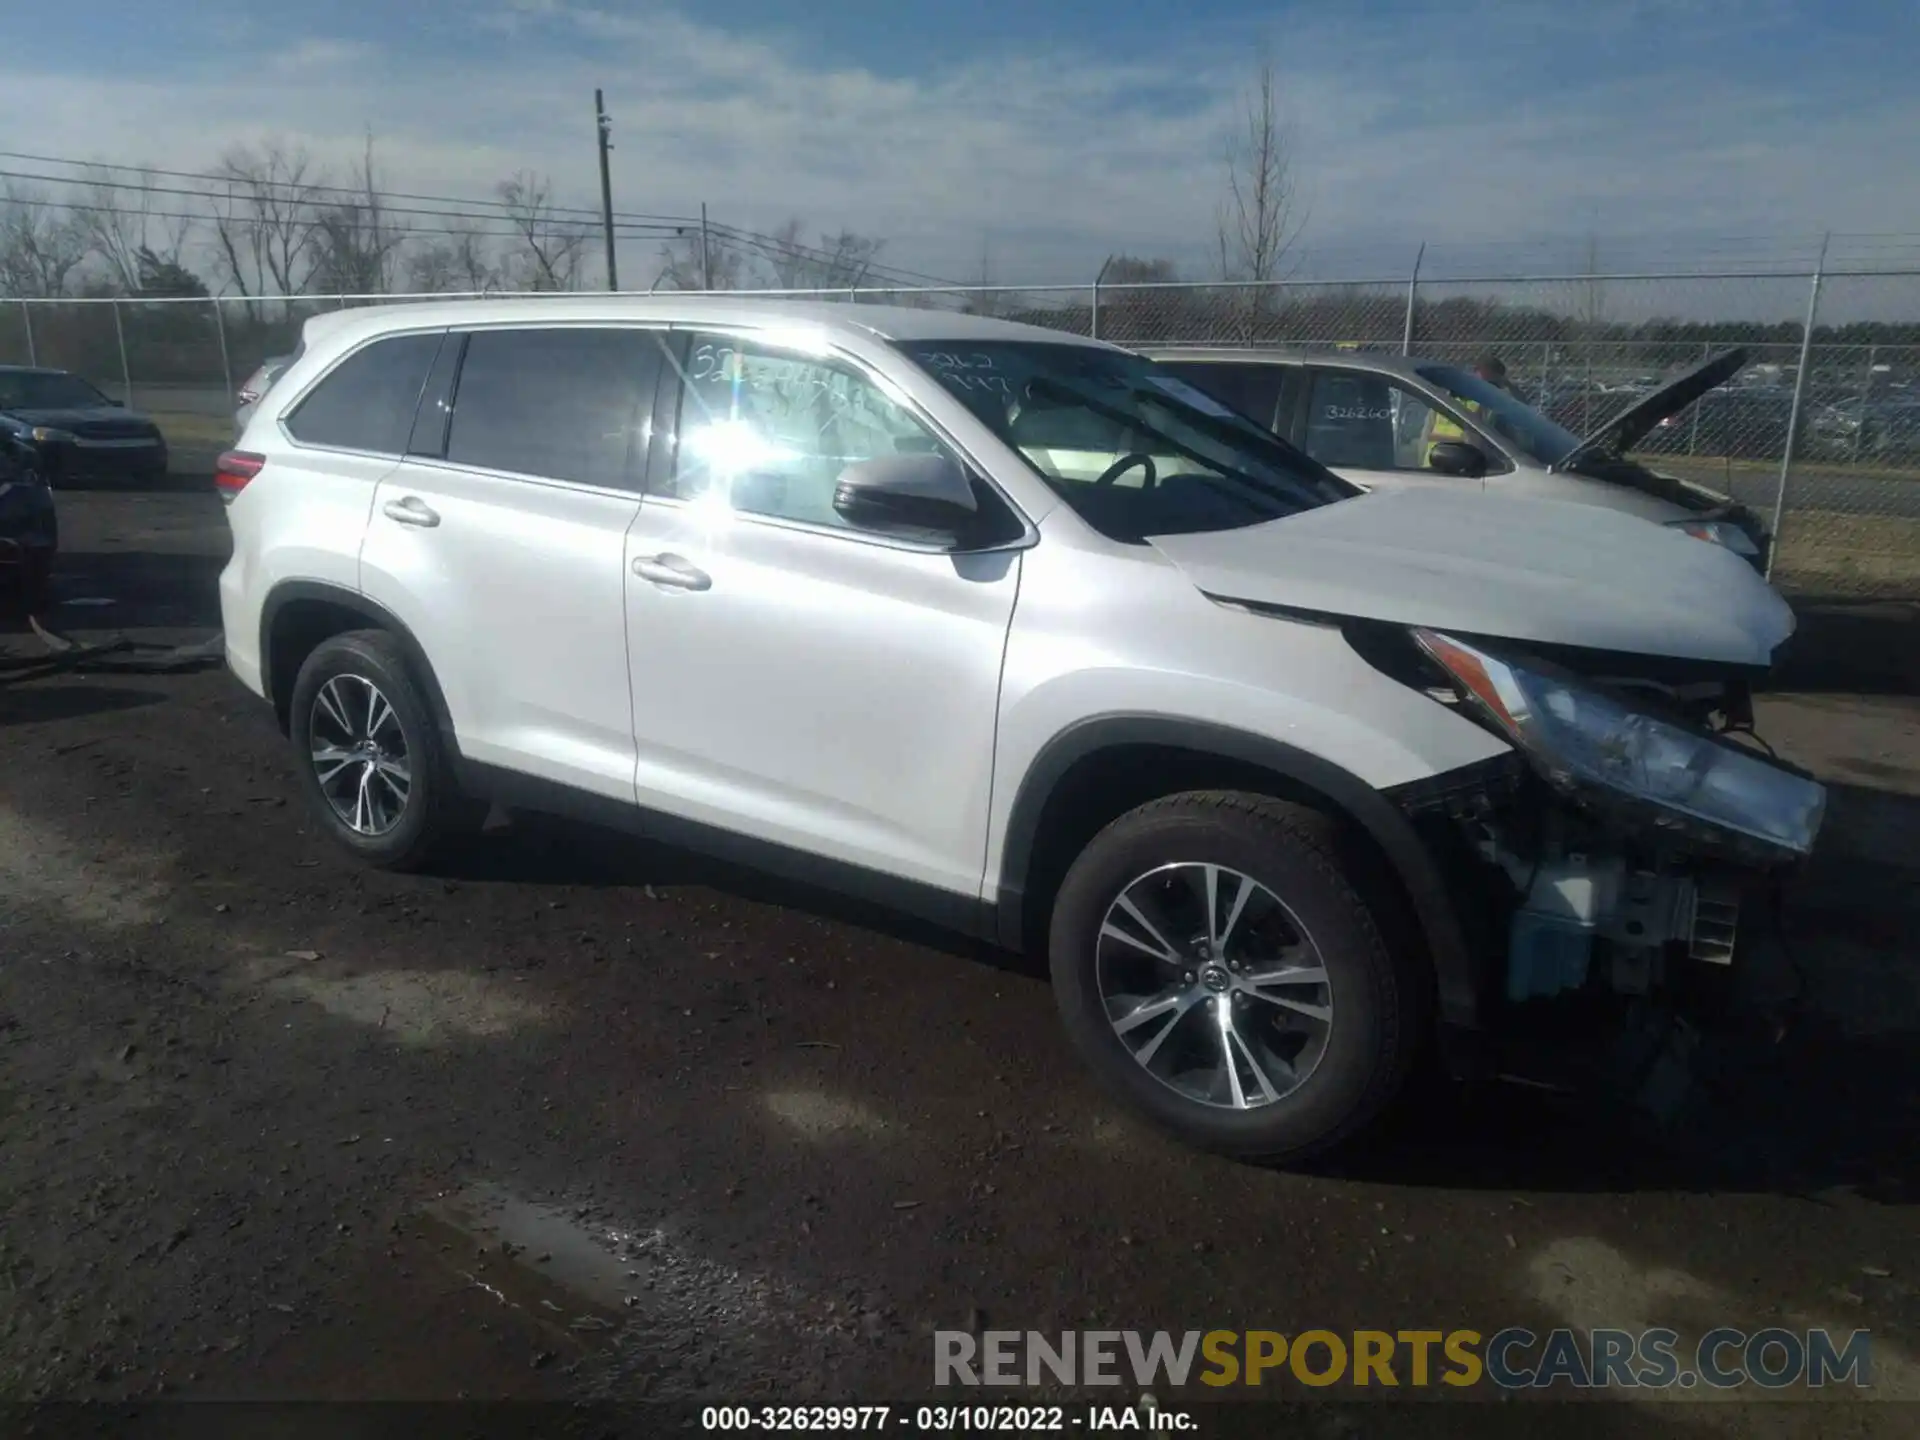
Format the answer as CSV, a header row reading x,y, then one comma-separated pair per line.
x,y
578,1117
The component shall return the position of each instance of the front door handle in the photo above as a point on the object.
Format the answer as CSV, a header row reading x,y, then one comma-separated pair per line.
x,y
411,510
672,570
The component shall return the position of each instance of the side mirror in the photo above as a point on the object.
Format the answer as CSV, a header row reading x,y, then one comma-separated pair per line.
x,y
912,497
1457,457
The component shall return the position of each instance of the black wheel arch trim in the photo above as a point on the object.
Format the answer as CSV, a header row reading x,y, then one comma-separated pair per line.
x,y
378,617
1456,971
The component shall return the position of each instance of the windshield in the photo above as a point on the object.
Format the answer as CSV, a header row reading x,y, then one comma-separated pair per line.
x,y
1133,449
46,390
1504,413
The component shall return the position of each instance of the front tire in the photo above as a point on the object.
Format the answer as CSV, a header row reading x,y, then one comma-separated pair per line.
x,y
1221,962
370,757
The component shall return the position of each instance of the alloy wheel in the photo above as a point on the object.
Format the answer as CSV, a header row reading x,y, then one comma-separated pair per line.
x,y
360,754
1213,986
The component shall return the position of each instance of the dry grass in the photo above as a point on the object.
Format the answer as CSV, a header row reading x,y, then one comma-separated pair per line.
x,y
194,433
1716,471
1824,553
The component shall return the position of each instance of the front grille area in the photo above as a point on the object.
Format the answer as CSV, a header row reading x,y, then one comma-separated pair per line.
x,y
115,430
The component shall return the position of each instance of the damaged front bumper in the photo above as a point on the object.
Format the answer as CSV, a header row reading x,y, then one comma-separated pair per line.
x,y
1571,911
1597,919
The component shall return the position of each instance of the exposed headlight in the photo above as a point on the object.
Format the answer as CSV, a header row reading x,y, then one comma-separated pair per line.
x,y
1719,532
46,434
1586,743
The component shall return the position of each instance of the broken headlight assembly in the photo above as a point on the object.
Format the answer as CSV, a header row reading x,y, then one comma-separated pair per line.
x,y
1593,747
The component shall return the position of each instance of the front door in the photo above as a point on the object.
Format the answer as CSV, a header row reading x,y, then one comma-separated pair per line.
x,y
794,679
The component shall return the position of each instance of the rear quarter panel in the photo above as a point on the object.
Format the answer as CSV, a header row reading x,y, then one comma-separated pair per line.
x,y
303,517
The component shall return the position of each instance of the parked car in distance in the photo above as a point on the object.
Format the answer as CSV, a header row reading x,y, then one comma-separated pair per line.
x,y
29,528
1024,634
1737,422
1880,429
76,431
1374,419
256,385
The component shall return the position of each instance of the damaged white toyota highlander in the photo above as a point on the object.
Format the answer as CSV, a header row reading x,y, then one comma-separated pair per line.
x,y
1020,633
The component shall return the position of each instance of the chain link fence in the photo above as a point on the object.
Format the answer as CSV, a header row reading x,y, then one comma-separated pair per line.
x,y
1820,434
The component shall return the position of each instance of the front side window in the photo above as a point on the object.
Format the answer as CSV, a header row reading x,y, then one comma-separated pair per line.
x,y
563,403
366,402
1134,449
1253,390
1505,413
768,433
1360,420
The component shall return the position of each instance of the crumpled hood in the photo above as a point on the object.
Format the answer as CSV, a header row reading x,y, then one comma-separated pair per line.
x,y
1529,570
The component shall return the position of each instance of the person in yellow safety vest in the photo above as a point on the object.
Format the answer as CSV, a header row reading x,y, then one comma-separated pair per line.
x,y
1490,368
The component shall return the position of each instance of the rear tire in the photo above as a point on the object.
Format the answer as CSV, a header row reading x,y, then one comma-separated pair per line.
x,y
1325,1019
36,583
371,759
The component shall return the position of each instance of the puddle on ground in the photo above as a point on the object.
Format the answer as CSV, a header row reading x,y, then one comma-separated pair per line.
x,y
36,864
670,1322
414,1007
818,1116
1590,1285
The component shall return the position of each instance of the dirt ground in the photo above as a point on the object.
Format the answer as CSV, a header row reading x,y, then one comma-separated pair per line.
x,y
576,1118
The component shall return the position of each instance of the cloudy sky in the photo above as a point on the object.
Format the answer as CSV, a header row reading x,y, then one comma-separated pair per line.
x,y
1051,131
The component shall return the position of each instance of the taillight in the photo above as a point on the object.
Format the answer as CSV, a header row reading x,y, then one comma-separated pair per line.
x,y
233,470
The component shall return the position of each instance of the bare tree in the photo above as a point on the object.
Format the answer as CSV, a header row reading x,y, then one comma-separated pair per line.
x,y
267,220
1126,312
1261,215
41,244
1592,302
1133,270
120,222
792,268
684,267
357,243
836,262
548,252
463,260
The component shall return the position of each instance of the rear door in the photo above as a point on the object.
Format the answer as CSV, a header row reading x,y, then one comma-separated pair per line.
x,y
500,542
327,455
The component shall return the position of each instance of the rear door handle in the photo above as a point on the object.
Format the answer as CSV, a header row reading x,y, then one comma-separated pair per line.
x,y
672,570
411,510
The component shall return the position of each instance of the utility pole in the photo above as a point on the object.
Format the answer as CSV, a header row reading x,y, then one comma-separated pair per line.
x,y
605,127
706,251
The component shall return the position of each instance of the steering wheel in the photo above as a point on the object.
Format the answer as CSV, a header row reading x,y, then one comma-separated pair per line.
x,y
1135,461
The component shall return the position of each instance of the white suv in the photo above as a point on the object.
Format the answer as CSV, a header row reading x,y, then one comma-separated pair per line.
x,y
1024,634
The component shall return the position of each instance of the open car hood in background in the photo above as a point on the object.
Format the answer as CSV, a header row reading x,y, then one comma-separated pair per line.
x,y
1529,570
1628,428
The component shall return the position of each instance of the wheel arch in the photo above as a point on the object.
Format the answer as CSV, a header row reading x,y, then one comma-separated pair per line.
x,y
299,615
1045,817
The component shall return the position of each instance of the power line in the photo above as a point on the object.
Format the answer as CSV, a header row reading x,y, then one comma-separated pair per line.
x,y
304,191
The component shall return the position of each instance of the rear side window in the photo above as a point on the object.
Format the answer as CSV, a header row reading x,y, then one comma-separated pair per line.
x,y
367,401
1253,390
564,404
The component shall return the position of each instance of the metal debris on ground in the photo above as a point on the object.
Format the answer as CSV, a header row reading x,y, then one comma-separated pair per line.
x,y
120,656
